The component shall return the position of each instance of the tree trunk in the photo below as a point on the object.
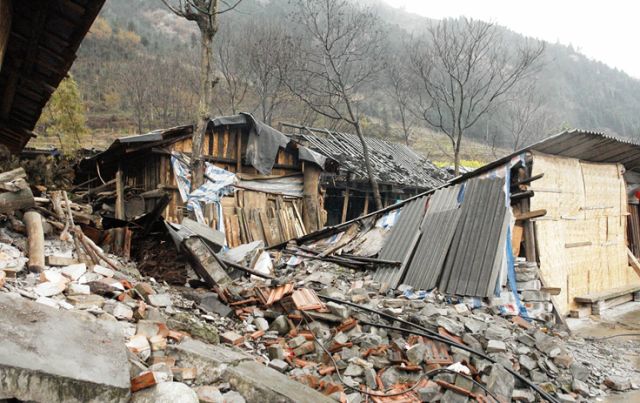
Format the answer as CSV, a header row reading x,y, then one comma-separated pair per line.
x,y
456,155
367,163
204,106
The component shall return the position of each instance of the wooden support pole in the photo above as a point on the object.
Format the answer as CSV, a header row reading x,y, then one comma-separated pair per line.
x,y
119,232
365,210
238,151
35,237
345,206
311,196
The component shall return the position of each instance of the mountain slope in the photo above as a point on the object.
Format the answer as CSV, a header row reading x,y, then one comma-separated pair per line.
x,y
574,91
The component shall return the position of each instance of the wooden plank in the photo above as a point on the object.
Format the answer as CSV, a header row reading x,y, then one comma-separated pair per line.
x,y
598,307
238,151
608,294
269,237
119,232
300,220
577,244
531,214
633,262
516,239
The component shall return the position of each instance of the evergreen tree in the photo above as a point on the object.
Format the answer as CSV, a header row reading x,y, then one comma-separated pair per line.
x,y
64,117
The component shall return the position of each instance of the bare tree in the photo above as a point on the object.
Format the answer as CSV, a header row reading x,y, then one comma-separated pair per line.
x,y
205,14
523,117
340,54
136,77
269,58
463,68
232,52
399,89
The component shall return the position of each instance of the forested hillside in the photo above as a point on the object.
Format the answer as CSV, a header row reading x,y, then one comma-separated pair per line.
x,y
137,70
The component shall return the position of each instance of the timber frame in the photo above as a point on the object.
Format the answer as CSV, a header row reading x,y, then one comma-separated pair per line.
x,y
38,44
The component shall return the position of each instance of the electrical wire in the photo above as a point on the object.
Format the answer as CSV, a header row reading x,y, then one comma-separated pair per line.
x,y
613,336
435,336
412,388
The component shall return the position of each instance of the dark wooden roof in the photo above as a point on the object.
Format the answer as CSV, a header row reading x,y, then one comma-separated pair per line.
x,y
42,45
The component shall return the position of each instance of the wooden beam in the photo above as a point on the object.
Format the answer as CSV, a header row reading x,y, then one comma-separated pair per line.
x,y
238,151
365,210
5,27
35,238
531,214
345,205
120,215
633,262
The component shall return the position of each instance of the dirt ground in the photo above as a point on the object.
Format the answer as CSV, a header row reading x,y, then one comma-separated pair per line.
x,y
619,321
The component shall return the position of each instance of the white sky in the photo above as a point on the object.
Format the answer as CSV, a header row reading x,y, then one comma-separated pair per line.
x,y
605,30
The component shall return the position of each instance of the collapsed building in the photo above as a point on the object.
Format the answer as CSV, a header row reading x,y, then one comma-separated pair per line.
x,y
548,222
448,295
261,183
399,171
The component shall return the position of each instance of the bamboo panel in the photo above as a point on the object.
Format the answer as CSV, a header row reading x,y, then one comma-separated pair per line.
x,y
581,241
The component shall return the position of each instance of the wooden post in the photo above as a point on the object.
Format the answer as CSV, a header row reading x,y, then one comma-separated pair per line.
x,y
365,210
238,151
345,206
119,232
529,230
33,222
311,196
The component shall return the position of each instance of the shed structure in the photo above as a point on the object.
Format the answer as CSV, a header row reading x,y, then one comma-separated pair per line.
x,y
274,197
399,171
537,232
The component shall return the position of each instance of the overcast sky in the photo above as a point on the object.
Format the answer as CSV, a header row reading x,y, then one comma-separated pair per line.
x,y
607,30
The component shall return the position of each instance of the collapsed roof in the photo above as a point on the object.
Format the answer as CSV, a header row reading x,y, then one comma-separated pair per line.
x,y
41,46
392,163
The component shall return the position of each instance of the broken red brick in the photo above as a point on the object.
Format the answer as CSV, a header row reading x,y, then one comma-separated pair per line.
x,y
257,334
327,370
175,335
232,338
521,322
347,325
145,380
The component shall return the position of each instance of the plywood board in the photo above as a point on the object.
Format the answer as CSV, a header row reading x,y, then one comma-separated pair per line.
x,y
586,208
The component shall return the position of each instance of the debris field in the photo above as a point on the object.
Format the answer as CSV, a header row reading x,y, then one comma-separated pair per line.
x,y
257,324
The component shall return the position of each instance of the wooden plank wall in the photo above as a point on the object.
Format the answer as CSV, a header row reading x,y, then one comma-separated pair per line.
x,y
248,215
582,239
5,26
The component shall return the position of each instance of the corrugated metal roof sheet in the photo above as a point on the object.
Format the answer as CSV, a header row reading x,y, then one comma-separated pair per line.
x,y
438,228
475,257
401,241
592,146
585,145
392,163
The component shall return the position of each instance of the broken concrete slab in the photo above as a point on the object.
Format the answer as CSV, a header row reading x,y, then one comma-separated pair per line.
x,y
254,381
257,383
91,365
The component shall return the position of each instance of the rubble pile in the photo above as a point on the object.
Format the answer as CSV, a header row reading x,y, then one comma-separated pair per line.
x,y
249,324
